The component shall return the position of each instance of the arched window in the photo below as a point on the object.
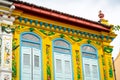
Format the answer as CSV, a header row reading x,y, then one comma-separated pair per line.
x,y
89,51
30,40
30,56
61,46
90,62
62,60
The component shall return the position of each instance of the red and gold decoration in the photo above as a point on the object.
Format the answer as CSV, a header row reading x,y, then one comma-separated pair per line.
x,y
100,15
48,62
78,64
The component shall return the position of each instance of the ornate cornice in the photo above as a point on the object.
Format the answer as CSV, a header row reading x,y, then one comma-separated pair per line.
x,y
64,29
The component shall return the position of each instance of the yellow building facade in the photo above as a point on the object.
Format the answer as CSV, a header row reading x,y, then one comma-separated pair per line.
x,y
50,45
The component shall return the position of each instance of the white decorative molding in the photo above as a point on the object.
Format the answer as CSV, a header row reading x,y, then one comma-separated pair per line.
x,y
7,3
7,18
6,55
5,76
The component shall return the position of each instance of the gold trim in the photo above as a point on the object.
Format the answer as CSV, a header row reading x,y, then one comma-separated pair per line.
x,y
4,24
4,8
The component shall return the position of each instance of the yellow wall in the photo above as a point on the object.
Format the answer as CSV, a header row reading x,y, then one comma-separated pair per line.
x,y
47,44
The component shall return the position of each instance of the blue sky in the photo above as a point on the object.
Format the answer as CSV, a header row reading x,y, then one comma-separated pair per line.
x,y
87,9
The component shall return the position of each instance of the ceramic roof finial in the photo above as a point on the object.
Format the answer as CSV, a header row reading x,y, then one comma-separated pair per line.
x,y
101,15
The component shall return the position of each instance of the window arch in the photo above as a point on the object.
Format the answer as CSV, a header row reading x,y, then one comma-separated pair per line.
x,y
89,51
30,39
60,45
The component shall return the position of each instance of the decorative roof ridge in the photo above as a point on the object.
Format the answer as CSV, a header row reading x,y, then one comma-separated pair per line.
x,y
66,14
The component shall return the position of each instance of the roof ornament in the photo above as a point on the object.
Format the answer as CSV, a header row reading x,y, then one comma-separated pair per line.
x,y
101,15
102,19
12,7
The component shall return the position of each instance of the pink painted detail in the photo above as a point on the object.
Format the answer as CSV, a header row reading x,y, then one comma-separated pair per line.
x,y
9,16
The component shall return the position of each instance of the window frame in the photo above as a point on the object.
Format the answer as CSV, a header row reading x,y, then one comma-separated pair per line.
x,y
83,57
33,42
70,53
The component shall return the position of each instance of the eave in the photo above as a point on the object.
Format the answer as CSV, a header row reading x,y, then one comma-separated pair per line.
x,y
62,17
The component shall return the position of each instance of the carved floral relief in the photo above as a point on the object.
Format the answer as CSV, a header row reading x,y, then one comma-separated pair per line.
x,y
6,77
7,51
